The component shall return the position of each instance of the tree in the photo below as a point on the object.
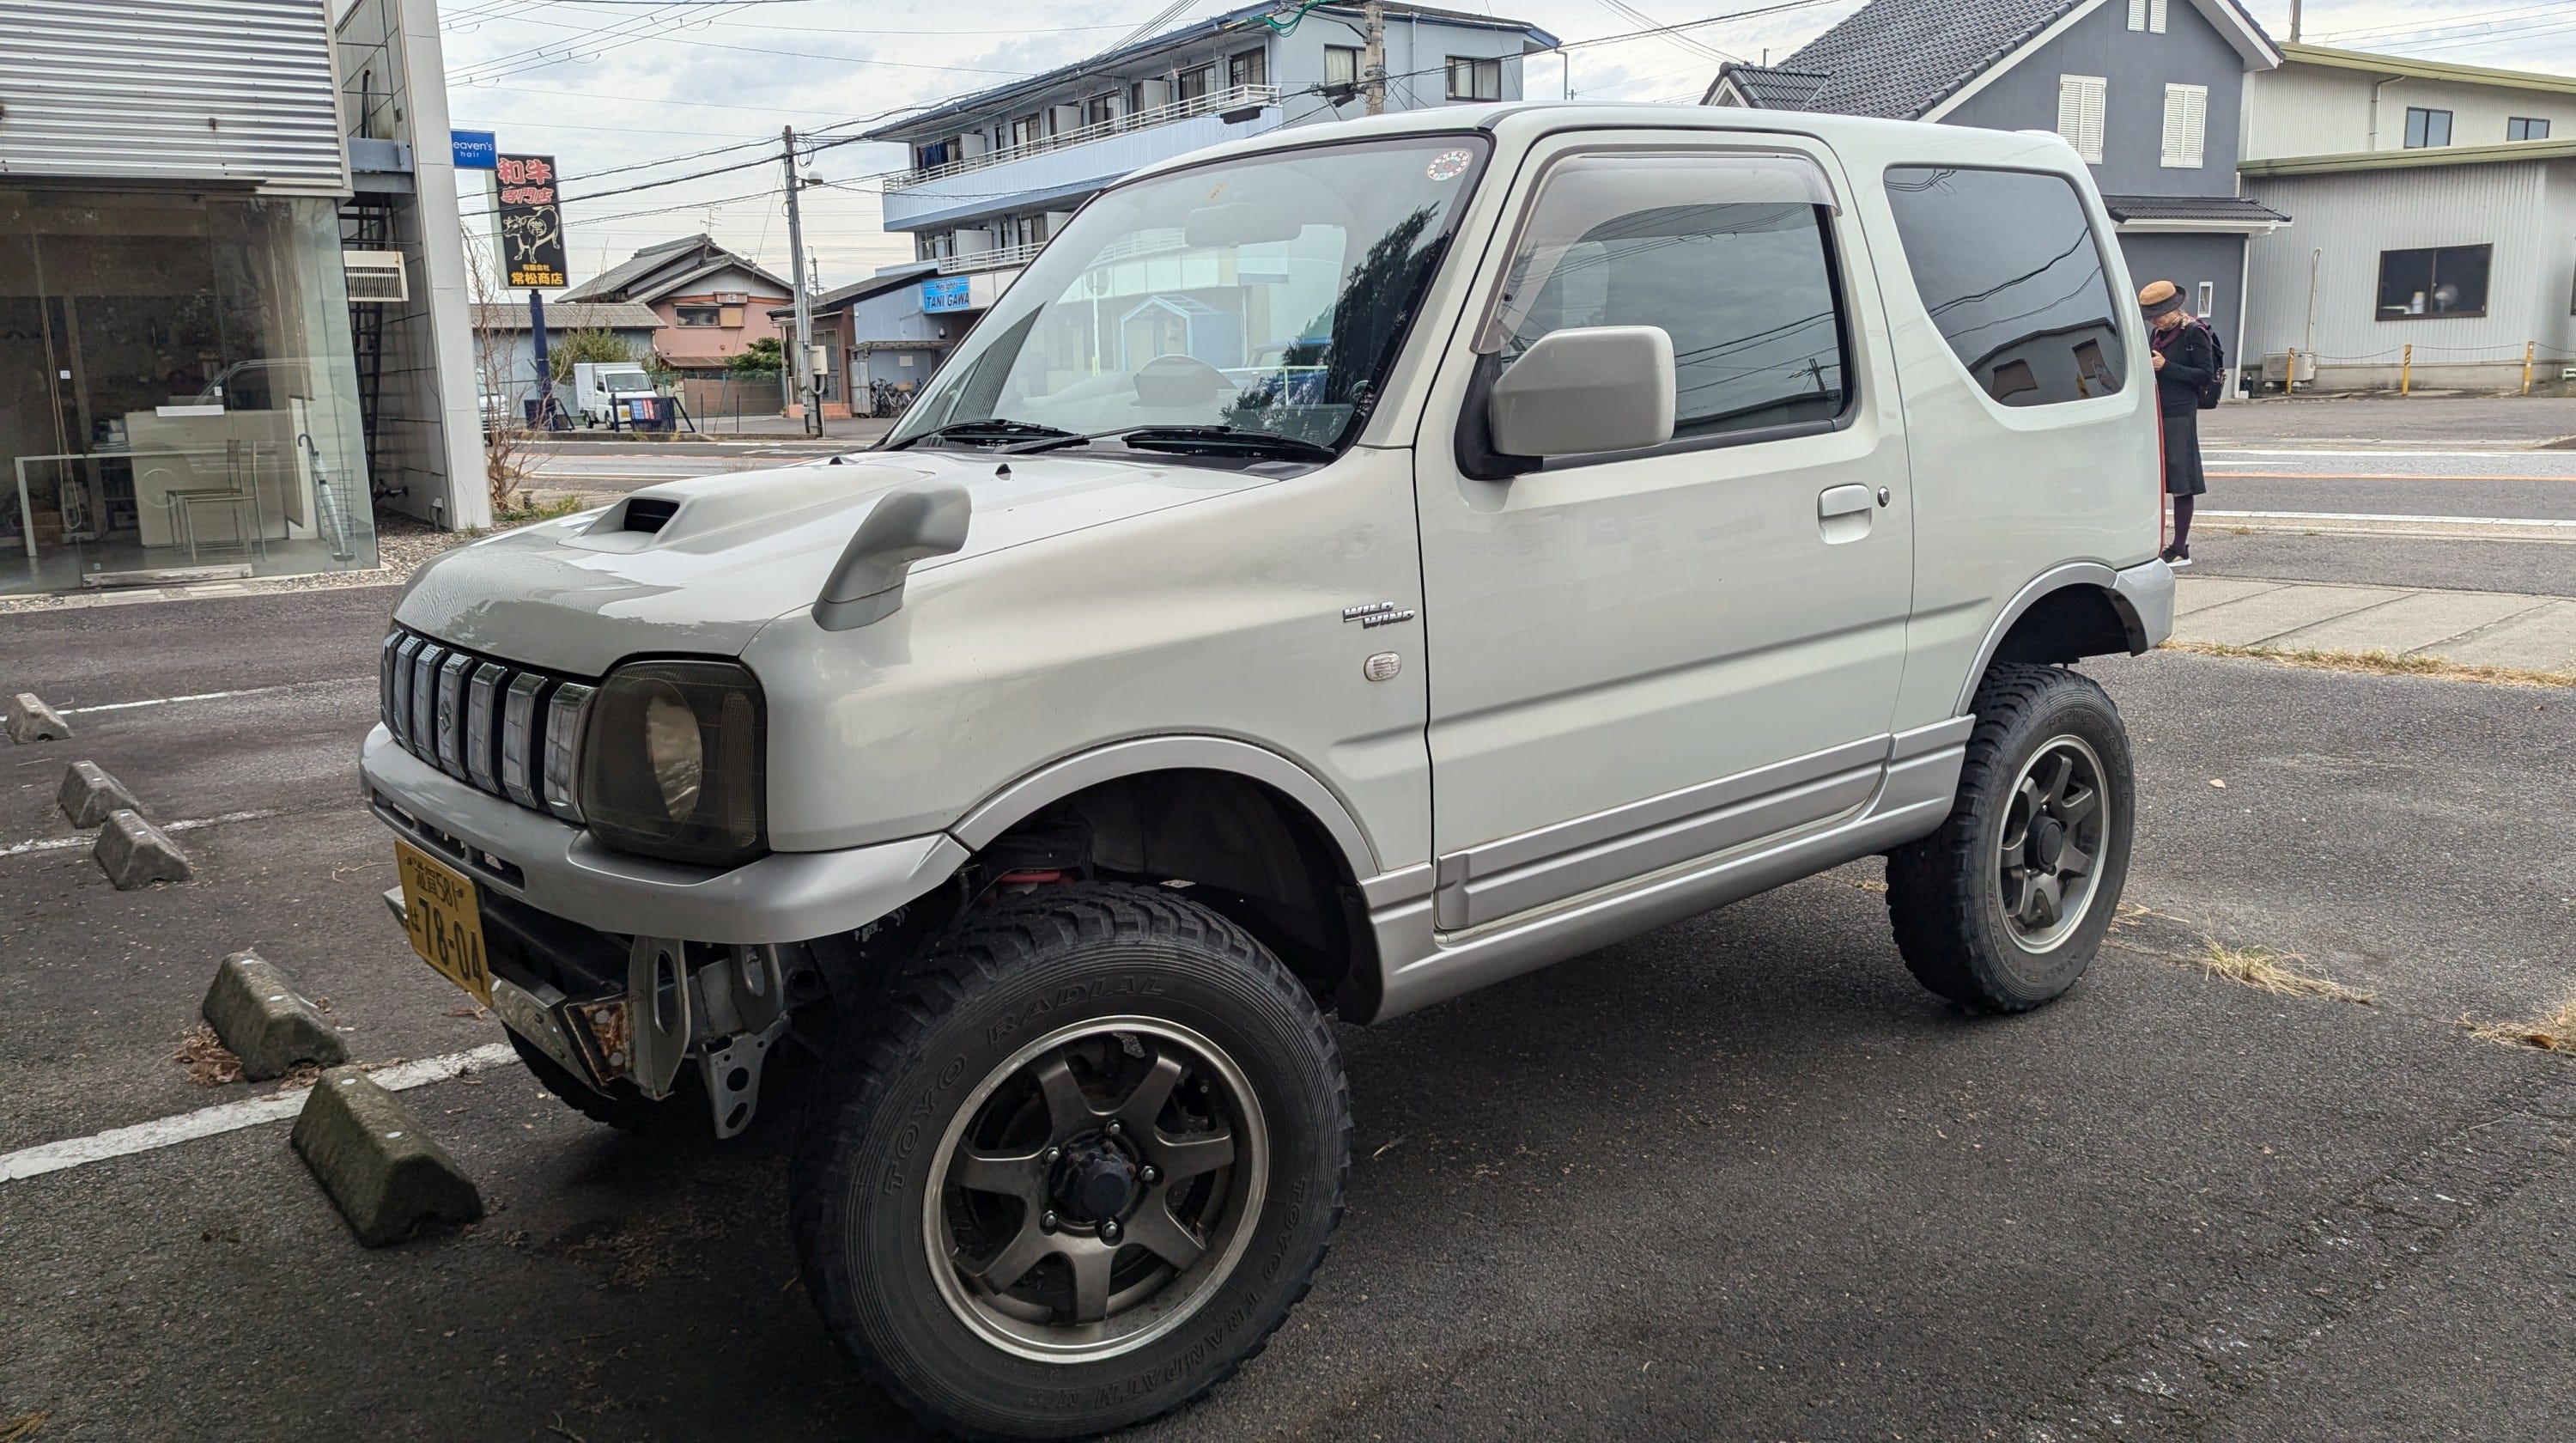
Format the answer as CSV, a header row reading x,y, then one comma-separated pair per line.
x,y
766,356
506,438
567,349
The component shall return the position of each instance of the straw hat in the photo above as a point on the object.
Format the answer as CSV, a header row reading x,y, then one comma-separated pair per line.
x,y
2157,297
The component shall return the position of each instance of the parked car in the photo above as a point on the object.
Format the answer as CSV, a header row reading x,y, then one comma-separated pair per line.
x,y
600,388
1679,502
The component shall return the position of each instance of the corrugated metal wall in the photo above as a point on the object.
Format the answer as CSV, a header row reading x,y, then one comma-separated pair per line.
x,y
2526,210
235,91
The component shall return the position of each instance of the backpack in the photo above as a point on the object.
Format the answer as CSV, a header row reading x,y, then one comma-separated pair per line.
x,y
2216,386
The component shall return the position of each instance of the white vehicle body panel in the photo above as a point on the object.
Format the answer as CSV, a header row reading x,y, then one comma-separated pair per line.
x,y
1627,691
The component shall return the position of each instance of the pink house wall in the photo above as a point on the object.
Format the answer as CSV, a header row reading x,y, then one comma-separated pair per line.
x,y
676,342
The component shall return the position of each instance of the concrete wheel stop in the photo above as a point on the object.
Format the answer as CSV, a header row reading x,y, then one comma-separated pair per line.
x,y
30,720
386,1176
134,853
265,1022
89,796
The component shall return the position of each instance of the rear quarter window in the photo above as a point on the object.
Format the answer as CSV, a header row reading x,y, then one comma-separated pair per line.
x,y
2010,270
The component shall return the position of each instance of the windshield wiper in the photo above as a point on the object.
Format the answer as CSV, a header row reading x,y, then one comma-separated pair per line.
x,y
990,429
1191,438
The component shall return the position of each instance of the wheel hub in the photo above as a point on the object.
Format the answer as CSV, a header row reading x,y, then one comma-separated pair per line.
x,y
1094,1181
2047,842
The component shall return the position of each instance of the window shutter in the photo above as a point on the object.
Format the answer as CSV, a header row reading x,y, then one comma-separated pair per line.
x,y
2186,124
2138,13
2156,16
2079,114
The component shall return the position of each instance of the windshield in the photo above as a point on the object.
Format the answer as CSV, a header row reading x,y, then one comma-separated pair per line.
x,y
1266,295
625,381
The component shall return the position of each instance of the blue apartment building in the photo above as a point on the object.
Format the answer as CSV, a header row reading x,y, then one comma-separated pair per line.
x,y
996,173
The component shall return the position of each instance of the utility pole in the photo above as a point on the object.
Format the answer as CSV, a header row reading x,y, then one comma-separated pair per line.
x,y
799,359
2294,22
1373,56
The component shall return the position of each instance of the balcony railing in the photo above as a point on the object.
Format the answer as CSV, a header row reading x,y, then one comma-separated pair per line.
x,y
1161,241
992,260
1240,97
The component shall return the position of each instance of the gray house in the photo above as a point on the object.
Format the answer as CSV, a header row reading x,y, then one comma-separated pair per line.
x,y
881,341
2148,91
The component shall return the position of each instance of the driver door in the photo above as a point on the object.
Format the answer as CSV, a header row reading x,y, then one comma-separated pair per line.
x,y
1645,658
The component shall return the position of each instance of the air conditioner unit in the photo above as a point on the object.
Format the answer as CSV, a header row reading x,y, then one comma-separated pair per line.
x,y
2276,367
375,277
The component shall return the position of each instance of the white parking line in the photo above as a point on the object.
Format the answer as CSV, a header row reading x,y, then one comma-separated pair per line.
x,y
2383,516
55,844
2380,454
232,1116
211,695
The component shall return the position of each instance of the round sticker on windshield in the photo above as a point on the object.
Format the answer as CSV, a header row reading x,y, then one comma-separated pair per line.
x,y
1449,164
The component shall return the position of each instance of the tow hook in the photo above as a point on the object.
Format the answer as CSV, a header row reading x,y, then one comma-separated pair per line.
x,y
732,1074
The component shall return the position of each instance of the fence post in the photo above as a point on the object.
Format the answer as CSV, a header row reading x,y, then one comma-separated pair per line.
x,y
2528,347
2290,383
2406,370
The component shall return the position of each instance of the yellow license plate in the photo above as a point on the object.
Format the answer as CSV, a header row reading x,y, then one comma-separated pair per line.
x,y
445,919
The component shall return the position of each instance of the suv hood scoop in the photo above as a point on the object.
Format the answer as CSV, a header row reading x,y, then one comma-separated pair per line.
x,y
699,566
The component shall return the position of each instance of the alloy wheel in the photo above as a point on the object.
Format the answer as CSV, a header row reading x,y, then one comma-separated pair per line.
x,y
2051,844
1096,1189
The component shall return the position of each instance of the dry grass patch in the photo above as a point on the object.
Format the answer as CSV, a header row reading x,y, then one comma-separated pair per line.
x,y
2283,974
209,1064
2381,663
2554,1033
22,1427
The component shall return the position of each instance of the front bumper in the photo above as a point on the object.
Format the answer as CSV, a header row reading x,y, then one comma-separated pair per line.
x,y
558,869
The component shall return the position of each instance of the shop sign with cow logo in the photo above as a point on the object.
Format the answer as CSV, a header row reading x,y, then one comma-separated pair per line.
x,y
531,223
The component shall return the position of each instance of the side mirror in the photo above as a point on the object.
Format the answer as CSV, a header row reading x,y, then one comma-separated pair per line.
x,y
910,523
1593,389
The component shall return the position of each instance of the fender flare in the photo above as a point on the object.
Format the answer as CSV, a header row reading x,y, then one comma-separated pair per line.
x,y
2055,579
1059,779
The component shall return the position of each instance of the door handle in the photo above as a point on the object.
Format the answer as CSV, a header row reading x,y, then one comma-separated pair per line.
x,y
1836,501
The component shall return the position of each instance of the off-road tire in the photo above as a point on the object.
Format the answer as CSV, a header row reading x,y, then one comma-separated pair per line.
x,y
1004,977
1943,898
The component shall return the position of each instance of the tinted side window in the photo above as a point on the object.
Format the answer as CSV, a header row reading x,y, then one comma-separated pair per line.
x,y
2011,273
1729,255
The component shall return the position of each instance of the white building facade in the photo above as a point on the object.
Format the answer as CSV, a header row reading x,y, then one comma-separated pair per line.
x,y
2435,234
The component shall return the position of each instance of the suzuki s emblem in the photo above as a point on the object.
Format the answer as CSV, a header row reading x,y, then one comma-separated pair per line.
x,y
1382,667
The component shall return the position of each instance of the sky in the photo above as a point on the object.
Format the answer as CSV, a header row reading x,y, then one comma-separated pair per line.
x,y
639,87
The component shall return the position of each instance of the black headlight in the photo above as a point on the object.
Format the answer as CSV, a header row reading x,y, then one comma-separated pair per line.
x,y
674,762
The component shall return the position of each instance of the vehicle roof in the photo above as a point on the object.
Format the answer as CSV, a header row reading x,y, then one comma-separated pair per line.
x,y
1522,122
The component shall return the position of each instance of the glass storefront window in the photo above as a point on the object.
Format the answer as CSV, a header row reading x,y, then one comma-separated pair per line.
x,y
176,390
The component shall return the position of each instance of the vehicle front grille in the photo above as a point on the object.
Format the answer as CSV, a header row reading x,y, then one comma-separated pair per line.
x,y
502,728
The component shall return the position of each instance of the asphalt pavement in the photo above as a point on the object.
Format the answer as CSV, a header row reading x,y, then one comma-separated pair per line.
x,y
1737,1178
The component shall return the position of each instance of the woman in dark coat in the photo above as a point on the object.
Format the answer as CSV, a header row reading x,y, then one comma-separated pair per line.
x,y
2186,357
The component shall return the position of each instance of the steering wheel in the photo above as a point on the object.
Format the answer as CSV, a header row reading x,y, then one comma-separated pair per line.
x,y
1174,379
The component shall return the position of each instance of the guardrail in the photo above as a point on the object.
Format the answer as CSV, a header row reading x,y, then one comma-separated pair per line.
x,y
1240,97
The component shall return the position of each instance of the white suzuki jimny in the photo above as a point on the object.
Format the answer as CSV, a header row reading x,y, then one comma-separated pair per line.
x,y
1345,569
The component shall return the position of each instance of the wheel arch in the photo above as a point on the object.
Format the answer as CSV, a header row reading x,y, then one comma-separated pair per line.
x,y
2064,614
1262,838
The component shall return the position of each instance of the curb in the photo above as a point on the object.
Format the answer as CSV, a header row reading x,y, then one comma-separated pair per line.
x,y
387,1177
89,796
30,720
265,1022
134,853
